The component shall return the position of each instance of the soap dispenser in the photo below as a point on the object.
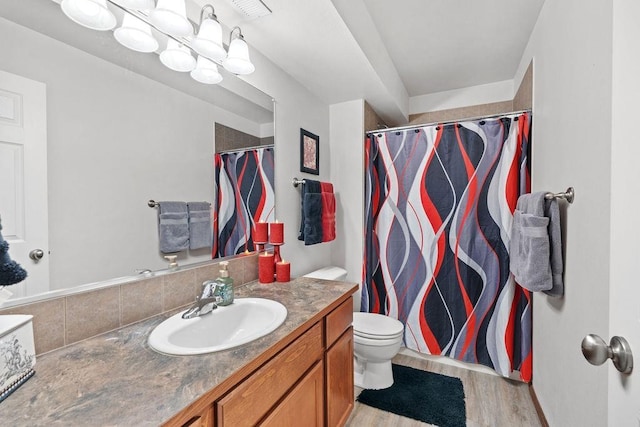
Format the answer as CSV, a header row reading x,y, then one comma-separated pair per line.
x,y
224,286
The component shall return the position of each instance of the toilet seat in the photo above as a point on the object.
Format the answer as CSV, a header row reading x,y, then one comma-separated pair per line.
x,y
376,342
377,337
376,326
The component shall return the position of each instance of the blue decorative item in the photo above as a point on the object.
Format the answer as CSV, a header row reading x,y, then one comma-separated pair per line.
x,y
10,271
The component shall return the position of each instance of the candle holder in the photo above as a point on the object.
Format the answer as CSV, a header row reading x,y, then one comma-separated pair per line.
x,y
259,246
276,252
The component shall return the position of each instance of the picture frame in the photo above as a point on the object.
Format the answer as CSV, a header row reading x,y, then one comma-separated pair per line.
x,y
309,152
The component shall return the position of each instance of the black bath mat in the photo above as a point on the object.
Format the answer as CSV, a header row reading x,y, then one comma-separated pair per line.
x,y
421,395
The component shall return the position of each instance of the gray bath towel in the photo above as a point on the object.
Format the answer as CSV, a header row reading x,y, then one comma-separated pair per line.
x,y
173,227
200,230
535,249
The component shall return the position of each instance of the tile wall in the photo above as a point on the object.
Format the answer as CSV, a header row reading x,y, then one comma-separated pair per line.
x,y
61,321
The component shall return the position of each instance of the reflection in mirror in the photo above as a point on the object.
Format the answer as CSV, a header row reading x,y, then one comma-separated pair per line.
x,y
116,129
245,196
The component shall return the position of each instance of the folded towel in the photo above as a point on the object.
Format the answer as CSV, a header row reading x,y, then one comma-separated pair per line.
x,y
173,227
200,230
310,186
312,218
318,222
328,212
10,271
535,249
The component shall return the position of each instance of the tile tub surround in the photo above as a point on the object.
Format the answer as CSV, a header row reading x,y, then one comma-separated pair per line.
x,y
115,379
65,320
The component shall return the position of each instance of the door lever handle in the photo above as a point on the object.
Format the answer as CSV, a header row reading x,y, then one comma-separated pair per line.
x,y
596,351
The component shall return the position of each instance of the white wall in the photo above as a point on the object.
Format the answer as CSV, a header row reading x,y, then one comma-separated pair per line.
x,y
296,108
571,49
624,305
347,175
474,95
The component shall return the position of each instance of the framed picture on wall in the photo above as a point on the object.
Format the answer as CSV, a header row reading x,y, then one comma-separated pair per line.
x,y
309,152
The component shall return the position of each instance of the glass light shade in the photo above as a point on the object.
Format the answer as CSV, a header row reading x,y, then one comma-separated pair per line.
x,y
170,16
206,72
136,4
177,57
136,35
238,61
92,14
208,42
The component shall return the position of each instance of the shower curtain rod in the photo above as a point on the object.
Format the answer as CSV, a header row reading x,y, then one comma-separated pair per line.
x,y
448,122
235,150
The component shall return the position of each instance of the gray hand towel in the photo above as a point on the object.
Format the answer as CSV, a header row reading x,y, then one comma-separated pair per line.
x,y
173,227
200,230
535,248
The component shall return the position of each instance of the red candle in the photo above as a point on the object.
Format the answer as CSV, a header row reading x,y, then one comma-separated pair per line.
x,y
277,233
262,232
283,271
265,267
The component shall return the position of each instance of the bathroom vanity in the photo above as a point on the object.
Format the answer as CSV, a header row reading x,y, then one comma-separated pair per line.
x,y
300,374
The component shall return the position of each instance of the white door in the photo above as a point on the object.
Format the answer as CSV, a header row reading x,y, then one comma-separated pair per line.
x,y
624,288
23,178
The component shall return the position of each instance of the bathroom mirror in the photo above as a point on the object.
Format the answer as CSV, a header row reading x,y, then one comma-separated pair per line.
x,y
121,129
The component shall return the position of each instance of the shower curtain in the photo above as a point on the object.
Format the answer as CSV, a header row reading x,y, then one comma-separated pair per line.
x,y
244,195
439,206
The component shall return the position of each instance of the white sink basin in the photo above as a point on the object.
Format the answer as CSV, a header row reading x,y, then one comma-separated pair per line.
x,y
245,320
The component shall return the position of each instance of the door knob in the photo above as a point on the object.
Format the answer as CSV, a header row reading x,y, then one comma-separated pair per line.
x,y
596,351
36,254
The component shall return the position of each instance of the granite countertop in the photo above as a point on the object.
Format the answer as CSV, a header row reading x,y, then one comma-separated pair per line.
x,y
116,379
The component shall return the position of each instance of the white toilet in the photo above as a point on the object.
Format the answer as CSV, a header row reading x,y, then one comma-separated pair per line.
x,y
377,339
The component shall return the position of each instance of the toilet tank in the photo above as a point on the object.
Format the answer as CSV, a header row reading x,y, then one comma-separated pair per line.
x,y
328,273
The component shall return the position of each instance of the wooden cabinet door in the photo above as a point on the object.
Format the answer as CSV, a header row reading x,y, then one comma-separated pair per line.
x,y
204,419
304,405
254,397
339,375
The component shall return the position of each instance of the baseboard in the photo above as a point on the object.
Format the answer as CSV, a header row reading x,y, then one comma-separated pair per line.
x,y
536,404
449,361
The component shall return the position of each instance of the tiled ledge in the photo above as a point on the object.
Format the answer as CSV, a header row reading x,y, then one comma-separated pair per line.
x,y
61,321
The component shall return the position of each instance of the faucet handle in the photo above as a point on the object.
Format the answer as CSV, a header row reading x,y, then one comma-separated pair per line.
x,y
209,288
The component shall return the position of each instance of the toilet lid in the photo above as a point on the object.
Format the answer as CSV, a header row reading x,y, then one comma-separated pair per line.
x,y
373,325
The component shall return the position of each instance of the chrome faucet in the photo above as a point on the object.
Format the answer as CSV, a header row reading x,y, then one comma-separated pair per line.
x,y
206,302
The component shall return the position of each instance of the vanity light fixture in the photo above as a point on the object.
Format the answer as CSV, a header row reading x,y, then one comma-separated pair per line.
x,y
208,42
238,61
206,71
137,4
135,34
92,14
177,57
168,18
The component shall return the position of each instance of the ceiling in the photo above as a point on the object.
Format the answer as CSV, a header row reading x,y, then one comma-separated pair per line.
x,y
388,51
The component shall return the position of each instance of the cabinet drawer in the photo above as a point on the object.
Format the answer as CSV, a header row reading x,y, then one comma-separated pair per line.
x,y
254,397
338,321
304,405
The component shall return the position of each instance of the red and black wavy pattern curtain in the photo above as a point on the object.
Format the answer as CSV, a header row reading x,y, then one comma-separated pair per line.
x,y
244,196
439,206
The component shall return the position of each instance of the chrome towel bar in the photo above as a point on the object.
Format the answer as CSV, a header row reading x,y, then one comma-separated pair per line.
x,y
567,195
